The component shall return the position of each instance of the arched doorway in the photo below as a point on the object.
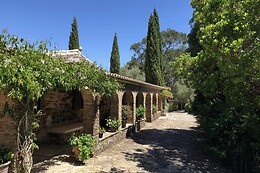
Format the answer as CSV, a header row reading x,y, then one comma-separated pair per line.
x,y
128,101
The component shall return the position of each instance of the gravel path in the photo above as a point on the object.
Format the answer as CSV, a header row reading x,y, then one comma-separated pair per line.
x,y
168,145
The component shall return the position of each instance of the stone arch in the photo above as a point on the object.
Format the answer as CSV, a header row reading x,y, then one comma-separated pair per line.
x,y
148,107
114,107
128,99
139,99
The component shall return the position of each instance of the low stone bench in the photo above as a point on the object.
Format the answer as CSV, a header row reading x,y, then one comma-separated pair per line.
x,y
61,133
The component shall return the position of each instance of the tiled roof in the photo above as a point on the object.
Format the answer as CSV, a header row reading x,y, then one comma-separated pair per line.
x,y
74,55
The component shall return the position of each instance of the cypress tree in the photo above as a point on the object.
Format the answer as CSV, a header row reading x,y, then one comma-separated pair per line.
x,y
153,60
115,57
74,37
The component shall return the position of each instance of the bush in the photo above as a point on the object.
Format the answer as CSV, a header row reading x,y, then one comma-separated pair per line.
x,y
154,109
126,113
112,123
5,154
140,112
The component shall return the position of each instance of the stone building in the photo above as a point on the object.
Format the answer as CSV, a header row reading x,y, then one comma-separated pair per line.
x,y
65,113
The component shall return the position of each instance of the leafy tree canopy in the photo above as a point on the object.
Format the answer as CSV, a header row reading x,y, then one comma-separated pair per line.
x,y
226,75
173,45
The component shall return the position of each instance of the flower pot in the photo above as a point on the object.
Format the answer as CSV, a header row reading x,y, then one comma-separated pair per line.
x,y
4,167
123,124
100,135
76,152
112,129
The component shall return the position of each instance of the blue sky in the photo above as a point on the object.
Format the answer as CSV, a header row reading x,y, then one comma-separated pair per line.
x,y
98,20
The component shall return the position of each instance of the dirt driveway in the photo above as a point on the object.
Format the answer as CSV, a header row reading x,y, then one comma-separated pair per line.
x,y
168,145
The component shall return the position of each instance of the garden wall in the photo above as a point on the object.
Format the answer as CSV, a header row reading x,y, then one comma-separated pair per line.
x,y
7,125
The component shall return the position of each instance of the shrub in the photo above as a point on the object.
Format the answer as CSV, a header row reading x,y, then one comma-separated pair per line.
x,y
5,154
140,111
155,109
126,113
85,143
112,123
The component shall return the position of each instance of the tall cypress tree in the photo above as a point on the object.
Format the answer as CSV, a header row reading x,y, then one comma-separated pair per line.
x,y
115,57
153,60
74,36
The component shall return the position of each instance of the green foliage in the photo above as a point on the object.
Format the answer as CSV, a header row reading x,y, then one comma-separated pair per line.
x,y
132,72
112,123
85,143
115,57
226,77
74,36
182,93
102,130
153,61
167,93
154,109
140,112
5,154
173,45
126,113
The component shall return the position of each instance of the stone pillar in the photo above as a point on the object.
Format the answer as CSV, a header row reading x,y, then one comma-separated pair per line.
x,y
159,102
144,104
91,112
134,106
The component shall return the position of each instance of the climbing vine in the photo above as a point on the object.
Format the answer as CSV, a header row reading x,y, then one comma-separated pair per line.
x,y
27,71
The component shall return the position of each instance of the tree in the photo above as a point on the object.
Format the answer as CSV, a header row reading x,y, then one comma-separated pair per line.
x,y
225,74
134,72
74,36
115,57
173,45
153,60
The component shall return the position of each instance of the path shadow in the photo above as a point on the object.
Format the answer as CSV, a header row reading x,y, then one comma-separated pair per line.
x,y
49,155
172,150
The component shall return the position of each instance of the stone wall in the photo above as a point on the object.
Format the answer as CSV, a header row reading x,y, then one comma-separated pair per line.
x,y
57,108
7,125
105,143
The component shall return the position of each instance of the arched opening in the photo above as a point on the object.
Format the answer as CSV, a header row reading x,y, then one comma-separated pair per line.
x,y
148,107
128,101
104,110
77,104
139,99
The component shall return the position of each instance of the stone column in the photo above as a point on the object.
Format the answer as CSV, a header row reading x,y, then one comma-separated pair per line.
x,y
91,112
134,106
144,104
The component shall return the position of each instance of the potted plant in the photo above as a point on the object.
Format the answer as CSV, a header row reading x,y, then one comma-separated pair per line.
x,y
6,156
83,146
113,124
140,112
101,132
126,112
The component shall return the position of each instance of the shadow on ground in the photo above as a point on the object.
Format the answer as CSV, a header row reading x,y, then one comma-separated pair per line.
x,y
172,150
52,154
